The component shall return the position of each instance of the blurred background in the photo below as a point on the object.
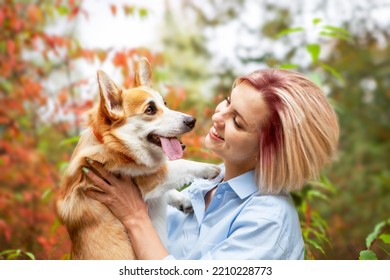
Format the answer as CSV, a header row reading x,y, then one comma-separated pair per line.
x,y
50,52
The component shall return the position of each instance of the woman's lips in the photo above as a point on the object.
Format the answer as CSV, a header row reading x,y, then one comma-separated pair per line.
x,y
215,135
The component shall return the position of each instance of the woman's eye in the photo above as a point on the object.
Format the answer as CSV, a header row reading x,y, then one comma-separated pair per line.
x,y
236,123
227,99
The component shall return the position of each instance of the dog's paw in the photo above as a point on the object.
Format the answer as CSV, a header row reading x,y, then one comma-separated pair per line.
x,y
180,201
208,171
186,206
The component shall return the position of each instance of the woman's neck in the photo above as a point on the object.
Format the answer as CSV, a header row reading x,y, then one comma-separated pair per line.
x,y
233,170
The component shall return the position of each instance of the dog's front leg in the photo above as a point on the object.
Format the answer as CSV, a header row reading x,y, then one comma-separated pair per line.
x,y
182,172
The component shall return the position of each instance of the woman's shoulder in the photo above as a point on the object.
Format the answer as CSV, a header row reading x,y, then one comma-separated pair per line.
x,y
271,206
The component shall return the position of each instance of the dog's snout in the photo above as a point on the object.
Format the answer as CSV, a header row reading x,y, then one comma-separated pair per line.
x,y
190,121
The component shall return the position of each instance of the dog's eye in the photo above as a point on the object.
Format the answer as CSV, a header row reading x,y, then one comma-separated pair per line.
x,y
151,110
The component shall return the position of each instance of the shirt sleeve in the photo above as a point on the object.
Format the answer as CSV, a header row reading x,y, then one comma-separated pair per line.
x,y
258,234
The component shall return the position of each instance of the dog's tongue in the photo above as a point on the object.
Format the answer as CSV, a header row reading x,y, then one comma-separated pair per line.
x,y
171,147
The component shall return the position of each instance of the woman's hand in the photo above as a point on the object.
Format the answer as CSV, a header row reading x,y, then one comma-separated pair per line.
x,y
120,195
124,199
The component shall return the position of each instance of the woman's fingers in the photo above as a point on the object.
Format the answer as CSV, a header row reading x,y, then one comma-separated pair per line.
x,y
96,195
96,179
104,173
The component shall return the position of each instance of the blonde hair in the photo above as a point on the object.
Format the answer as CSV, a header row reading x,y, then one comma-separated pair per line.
x,y
299,135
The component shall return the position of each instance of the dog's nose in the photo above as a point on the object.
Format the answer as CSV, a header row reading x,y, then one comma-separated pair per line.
x,y
190,121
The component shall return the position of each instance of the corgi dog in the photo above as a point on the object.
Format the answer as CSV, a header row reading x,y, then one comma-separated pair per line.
x,y
131,132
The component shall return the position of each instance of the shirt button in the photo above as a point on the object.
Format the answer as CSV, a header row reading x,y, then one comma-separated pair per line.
x,y
219,196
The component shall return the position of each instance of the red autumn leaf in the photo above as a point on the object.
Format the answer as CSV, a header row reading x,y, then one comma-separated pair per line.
x,y
16,24
34,13
1,17
5,229
4,120
73,13
11,48
113,9
120,59
63,96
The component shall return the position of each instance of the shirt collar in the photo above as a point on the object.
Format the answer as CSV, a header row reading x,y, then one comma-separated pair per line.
x,y
243,185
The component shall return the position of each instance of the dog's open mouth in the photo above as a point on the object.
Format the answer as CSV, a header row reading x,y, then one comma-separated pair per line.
x,y
171,146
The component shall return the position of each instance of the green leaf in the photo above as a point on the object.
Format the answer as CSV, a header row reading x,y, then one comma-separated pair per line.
x,y
324,184
6,85
69,141
13,254
43,146
55,225
47,195
367,255
30,255
18,197
317,21
374,235
385,238
333,71
336,32
335,35
289,66
63,10
287,31
7,252
337,29
316,245
63,165
314,50
318,194
143,12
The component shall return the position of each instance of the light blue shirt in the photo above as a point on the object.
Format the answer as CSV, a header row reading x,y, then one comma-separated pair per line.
x,y
240,223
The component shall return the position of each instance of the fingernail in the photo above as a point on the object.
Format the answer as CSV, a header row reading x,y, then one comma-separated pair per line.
x,y
90,161
85,170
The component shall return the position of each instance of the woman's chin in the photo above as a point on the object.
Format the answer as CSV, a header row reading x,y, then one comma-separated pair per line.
x,y
210,145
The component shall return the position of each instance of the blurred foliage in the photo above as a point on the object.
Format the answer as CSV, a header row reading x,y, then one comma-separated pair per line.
x,y
16,254
39,125
344,215
380,237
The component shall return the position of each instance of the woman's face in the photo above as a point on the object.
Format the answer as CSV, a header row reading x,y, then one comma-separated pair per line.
x,y
234,135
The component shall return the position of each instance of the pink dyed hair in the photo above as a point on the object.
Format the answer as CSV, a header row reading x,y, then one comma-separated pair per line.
x,y
299,135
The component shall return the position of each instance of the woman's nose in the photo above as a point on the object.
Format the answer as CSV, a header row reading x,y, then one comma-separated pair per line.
x,y
217,119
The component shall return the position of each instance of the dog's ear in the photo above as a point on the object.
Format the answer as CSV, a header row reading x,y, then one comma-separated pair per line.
x,y
110,97
143,75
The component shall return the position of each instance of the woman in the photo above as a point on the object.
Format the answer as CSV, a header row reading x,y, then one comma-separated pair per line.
x,y
274,132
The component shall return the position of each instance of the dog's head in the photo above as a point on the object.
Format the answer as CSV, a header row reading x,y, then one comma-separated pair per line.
x,y
136,121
